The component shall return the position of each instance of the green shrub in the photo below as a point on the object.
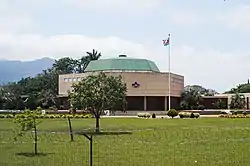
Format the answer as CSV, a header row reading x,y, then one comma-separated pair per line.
x,y
244,113
184,114
87,116
51,116
172,113
70,116
239,112
234,112
201,107
192,115
196,115
234,116
2,116
78,116
153,115
144,115
9,116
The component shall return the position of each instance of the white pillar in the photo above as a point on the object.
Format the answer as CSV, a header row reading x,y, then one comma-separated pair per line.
x,y
166,103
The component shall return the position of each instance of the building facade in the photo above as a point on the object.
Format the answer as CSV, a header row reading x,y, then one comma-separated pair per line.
x,y
147,87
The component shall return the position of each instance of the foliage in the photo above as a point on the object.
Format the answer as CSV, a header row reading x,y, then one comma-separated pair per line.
x,y
27,122
190,99
241,88
144,115
172,113
234,116
192,115
237,101
203,91
196,115
188,115
201,107
97,93
220,104
42,90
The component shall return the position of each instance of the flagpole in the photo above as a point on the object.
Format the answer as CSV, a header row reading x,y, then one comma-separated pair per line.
x,y
169,75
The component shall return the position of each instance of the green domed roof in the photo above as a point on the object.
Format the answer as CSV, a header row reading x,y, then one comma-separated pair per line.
x,y
122,63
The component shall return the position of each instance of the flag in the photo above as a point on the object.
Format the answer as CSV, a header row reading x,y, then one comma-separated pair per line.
x,y
166,42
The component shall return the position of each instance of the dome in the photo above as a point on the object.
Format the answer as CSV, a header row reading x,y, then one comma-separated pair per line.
x,y
122,63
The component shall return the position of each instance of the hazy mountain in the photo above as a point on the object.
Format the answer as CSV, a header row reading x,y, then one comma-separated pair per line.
x,y
15,70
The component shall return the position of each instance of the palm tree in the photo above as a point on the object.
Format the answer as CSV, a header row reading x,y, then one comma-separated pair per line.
x,y
83,62
94,55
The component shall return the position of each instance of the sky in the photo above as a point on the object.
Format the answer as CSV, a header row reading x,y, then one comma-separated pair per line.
x,y
209,38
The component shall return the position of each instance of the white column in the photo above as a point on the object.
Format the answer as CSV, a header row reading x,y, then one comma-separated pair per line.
x,y
166,103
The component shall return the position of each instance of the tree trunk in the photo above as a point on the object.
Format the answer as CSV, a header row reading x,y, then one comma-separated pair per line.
x,y
70,130
35,135
97,124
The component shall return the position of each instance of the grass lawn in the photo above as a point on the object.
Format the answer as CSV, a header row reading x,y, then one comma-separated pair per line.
x,y
153,142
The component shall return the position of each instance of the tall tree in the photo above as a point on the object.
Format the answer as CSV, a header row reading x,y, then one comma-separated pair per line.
x,y
238,101
201,90
64,65
190,99
83,62
97,93
94,55
241,88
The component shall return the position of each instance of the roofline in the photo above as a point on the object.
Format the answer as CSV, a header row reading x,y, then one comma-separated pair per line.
x,y
122,70
220,97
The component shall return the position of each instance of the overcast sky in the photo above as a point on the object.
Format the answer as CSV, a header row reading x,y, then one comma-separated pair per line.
x,y
210,38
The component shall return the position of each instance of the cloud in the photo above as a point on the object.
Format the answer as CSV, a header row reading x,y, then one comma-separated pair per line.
x,y
185,18
209,68
14,18
236,18
117,5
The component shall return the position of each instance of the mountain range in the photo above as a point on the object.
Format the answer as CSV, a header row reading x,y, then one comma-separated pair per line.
x,y
11,71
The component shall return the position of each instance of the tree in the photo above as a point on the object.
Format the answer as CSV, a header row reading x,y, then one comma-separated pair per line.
x,y
241,88
83,62
94,55
203,91
31,102
43,88
220,104
64,65
27,122
97,93
237,101
190,99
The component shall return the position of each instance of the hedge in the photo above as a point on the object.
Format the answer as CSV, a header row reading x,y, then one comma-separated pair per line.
x,y
189,115
234,116
144,115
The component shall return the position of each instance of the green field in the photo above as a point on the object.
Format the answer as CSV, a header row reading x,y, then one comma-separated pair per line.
x,y
153,142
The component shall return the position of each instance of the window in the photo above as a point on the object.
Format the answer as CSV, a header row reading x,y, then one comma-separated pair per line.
x,y
177,80
79,78
66,80
74,79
